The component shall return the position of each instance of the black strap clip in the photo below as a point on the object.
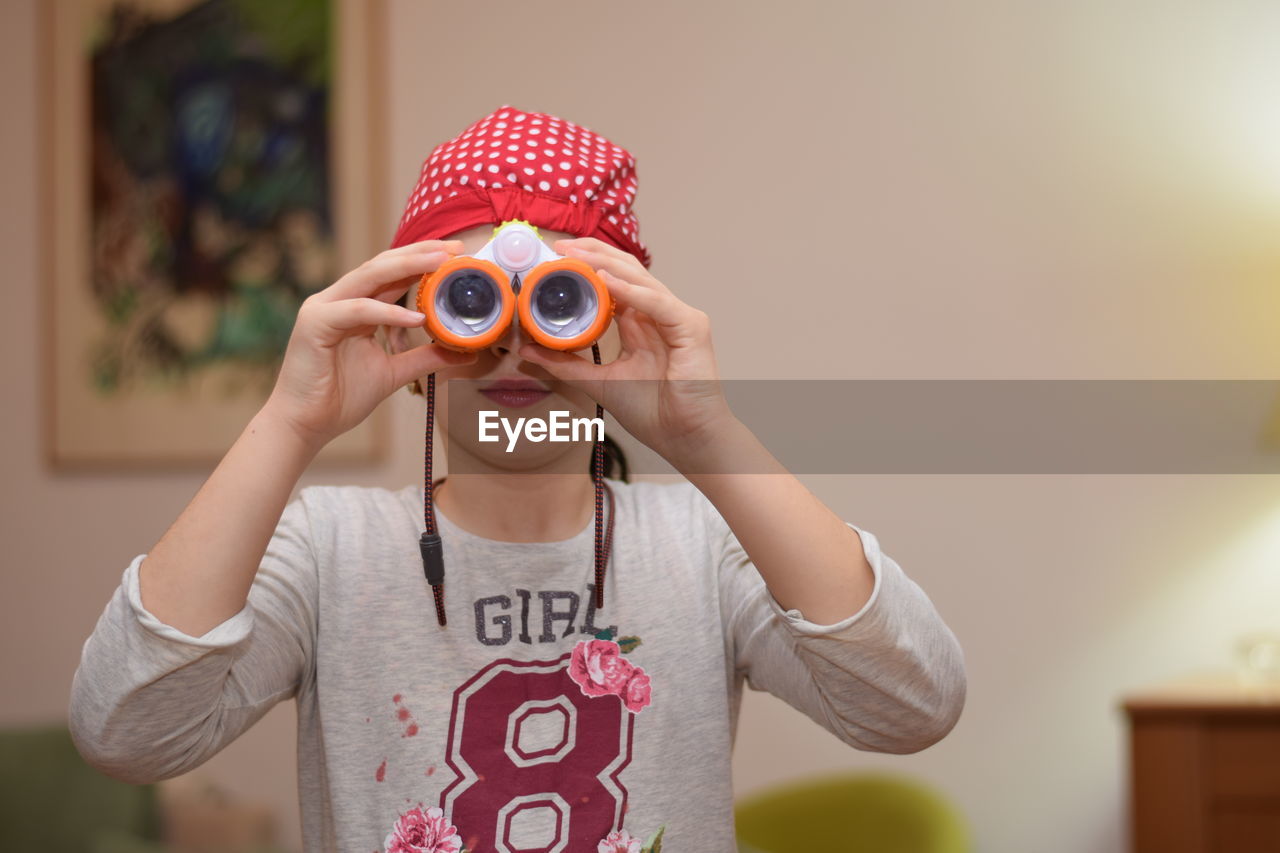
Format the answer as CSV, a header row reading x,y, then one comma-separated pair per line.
x,y
432,558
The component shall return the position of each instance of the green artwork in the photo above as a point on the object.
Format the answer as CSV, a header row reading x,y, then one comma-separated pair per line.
x,y
210,166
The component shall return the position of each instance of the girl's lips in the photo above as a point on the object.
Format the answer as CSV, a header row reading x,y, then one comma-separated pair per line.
x,y
515,398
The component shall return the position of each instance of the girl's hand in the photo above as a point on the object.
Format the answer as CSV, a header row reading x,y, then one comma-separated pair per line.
x,y
334,372
679,407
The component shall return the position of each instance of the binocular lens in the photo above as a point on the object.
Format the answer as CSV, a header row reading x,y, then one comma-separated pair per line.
x,y
564,304
468,303
471,298
559,300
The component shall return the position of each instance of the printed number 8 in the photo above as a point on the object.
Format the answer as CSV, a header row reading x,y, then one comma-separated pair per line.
x,y
563,788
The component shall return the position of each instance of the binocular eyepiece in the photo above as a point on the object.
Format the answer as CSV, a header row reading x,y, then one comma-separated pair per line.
x,y
469,301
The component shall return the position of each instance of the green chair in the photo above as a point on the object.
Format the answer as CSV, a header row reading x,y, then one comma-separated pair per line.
x,y
860,813
51,801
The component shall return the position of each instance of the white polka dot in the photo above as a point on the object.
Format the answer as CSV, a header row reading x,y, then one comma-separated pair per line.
x,y
433,174
552,140
530,155
452,194
480,181
519,117
463,179
531,142
535,121
493,154
438,198
566,152
435,185
547,167
566,165
496,185
528,170
493,167
528,188
512,160
564,182
512,177
577,179
535,130
513,147
503,114
595,178
500,124
573,197
448,181
543,185
495,143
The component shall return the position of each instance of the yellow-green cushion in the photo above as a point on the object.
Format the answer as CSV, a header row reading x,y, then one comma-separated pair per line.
x,y
52,801
862,813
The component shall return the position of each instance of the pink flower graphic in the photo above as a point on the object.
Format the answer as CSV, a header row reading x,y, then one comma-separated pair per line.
x,y
635,693
423,832
599,668
619,842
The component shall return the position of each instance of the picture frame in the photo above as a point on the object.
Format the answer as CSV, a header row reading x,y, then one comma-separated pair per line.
x,y
172,270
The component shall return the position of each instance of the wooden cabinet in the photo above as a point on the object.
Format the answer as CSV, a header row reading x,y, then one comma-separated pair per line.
x,y
1205,767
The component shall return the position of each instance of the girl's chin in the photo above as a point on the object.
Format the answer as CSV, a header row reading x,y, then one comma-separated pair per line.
x,y
487,462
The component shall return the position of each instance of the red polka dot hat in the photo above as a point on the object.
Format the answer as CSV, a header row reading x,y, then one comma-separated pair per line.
x,y
517,164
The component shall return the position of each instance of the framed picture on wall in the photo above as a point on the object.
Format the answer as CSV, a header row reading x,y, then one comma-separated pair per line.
x,y
207,164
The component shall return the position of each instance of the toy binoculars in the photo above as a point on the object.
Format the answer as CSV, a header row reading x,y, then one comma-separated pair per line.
x,y
469,301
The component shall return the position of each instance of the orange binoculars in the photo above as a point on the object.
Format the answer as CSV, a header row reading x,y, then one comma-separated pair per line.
x,y
469,301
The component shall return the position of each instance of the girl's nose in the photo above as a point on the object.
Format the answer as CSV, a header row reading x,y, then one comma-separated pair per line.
x,y
511,340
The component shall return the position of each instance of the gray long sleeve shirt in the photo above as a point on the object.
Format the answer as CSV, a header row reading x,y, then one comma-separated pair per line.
x,y
533,720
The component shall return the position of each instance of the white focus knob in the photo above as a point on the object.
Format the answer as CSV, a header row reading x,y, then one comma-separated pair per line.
x,y
515,248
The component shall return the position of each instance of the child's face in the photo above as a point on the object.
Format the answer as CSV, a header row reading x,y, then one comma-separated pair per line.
x,y
502,360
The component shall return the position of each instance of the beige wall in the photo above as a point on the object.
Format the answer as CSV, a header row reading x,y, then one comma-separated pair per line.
x,y
989,190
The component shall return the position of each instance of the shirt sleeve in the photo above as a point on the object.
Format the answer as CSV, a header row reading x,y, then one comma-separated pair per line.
x,y
888,678
149,702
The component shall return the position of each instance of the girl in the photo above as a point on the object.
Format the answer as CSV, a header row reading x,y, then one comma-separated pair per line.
x,y
538,705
